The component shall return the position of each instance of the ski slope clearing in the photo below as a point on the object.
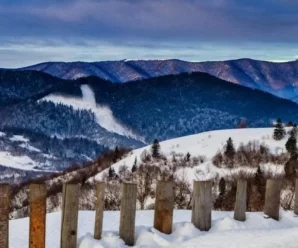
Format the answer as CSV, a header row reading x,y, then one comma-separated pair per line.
x,y
255,232
207,144
104,115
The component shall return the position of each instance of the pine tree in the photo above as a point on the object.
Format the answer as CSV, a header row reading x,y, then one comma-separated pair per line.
x,y
279,131
155,149
112,172
134,167
116,154
230,150
291,144
188,157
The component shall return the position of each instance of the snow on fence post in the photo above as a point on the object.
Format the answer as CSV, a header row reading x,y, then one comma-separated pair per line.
x,y
296,196
4,215
272,198
202,205
241,198
38,209
128,213
69,222
99,207
164,206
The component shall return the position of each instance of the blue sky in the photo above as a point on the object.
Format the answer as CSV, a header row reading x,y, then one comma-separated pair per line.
x,y
34,31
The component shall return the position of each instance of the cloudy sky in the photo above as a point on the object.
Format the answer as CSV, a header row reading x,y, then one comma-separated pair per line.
x,y
34,31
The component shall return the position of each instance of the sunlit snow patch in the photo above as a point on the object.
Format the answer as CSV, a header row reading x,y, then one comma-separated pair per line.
x,y
19,138
17,162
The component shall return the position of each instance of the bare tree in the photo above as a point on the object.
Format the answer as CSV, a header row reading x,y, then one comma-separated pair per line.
x,y
183,192
145,177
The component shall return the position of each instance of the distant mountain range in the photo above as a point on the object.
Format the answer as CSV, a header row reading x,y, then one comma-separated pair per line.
x,y
280,79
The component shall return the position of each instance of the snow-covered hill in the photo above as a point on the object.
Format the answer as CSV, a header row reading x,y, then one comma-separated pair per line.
x,y
206,144
255,232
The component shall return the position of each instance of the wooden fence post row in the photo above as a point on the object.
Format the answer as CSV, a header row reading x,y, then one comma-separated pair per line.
x,y
70,210
241,199
38,209
272,198
163,216
164,206
128,213
4,215
99,207
202,205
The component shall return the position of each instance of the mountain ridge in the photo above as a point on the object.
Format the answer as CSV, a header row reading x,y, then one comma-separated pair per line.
x,y
277,78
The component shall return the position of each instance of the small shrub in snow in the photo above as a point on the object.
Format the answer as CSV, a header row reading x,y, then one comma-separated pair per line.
x,y
112,173
242,123
218,204
229,149
145,156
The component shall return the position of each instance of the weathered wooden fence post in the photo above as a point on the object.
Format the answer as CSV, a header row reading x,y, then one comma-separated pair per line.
x,y
128,213
38,209
296,196
272,198
99,207
164,206
241,200
69,222
4,215
202,205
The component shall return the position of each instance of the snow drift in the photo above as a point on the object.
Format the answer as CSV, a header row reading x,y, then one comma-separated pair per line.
x,y
255,232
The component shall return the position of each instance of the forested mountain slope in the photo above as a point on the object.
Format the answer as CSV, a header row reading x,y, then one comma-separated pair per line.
x,y
131,114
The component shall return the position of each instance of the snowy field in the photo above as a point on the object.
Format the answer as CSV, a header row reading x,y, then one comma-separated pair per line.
x,y
206,144
255,232
21,162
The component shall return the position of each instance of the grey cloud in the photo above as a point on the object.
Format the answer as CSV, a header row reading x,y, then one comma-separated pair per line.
x,y
159,28
157,19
